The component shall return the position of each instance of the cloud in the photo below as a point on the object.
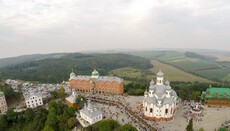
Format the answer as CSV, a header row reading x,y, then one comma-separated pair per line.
x,y
36,26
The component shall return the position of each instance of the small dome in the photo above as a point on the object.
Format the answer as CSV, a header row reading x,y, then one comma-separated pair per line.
x,y
167,82
152,82
160,74
95,74
72,74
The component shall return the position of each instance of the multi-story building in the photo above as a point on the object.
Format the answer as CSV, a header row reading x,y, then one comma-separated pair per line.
x,y
33,100
214,96
160,102
100,84
3,104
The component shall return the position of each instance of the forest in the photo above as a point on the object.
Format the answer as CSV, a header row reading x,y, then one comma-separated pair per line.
x,y
55,70
59,117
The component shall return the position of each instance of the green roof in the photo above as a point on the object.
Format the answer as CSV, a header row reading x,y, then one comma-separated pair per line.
x,y
217,92
95,74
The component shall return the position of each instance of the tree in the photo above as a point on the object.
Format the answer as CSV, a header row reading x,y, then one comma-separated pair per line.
x,y
29,114
201,129
104,125
3,123
61,92
52,120
54,93
127,127
195,95
47,128
11,116
190,125
71,122
80,101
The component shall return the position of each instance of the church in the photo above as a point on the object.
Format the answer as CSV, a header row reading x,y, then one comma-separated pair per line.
x,y
160,102
100,84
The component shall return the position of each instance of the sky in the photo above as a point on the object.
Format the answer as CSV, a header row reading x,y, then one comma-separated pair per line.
x,y
49,26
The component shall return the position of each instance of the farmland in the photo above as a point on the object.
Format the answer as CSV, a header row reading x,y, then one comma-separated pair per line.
x,y
175,74
197,64
171,73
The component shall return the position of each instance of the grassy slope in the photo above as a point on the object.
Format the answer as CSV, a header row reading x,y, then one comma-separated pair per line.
x,y
175,74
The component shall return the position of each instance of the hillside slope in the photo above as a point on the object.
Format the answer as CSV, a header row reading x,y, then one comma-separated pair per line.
x,y
26,58
55,70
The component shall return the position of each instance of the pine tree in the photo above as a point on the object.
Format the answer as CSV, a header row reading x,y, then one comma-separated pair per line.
x,y
190,125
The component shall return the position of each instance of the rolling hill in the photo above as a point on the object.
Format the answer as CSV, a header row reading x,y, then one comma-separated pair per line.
x,y
55,70
194,63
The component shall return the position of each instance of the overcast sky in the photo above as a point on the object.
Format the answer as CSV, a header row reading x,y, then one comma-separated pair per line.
x,y
47,26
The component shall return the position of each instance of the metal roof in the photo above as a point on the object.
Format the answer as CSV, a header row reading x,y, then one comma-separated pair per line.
x,y
220,92
100,78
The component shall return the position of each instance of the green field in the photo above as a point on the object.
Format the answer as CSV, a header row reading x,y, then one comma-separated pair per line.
x,y
200,65
171,73
132,74
174,74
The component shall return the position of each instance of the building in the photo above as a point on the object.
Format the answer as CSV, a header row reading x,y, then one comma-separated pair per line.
x,y
90,113
100,84
160,102
33,100
71,100
3,104
214,96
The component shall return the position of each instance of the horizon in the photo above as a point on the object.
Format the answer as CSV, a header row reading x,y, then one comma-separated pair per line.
x,y
121,51
43,27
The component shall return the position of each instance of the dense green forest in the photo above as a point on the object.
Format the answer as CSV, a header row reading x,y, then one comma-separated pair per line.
x,y
55,70
59,117
185,90
25,58
110,125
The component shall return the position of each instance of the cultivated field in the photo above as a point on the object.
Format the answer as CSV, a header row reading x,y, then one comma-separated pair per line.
x,y
200,65
175,74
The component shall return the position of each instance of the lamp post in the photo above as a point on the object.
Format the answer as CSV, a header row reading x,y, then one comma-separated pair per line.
x,y
227,114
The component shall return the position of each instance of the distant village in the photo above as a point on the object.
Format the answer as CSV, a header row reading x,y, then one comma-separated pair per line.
x,y
158,109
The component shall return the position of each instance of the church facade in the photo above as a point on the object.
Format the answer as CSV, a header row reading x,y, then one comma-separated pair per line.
x,y
160,101
99,84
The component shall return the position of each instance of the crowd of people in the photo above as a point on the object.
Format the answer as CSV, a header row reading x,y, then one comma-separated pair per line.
x,y
193,110
118,108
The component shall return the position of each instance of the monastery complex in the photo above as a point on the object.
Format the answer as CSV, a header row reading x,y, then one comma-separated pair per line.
x,y
100,84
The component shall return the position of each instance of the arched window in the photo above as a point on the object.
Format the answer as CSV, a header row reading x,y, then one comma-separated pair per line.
x,y
145,108
166,111
151,110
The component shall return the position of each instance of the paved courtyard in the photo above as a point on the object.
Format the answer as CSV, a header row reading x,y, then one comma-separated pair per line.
x,y
211,120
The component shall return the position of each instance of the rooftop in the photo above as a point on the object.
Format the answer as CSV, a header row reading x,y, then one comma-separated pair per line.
x,y
217,92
